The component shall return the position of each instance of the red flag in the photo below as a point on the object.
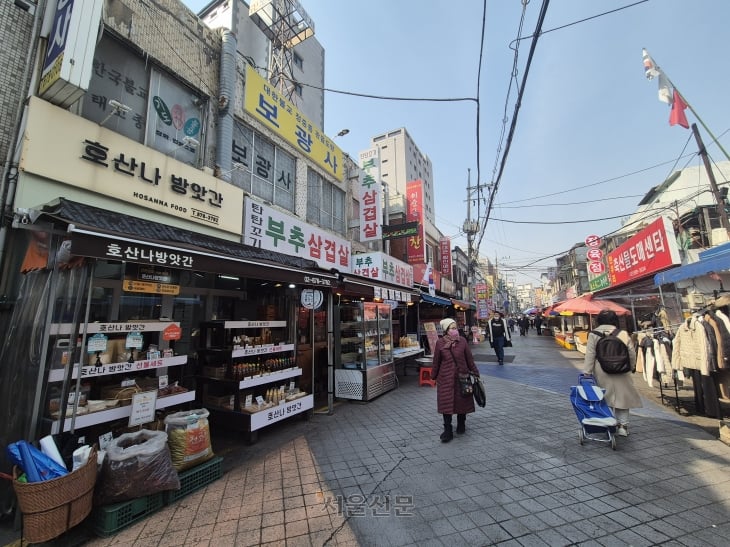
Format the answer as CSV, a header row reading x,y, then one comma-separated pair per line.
x,y
677,116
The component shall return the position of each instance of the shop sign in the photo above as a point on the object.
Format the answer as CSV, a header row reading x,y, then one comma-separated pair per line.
x,y
97,342
398,231
312,299
69,58
271,108
319,281
268,228
383,267
117,368
593,241
101,161
594,254
445,252
151,279
482,303
651,250
416,252
596,267
599,282
369,195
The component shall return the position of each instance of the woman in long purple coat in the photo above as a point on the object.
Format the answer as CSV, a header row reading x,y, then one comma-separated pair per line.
x,y
452,357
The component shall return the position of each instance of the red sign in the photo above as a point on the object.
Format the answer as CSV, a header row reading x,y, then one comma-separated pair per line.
x,y
445,248
596,267
593,241
594,254
653,249
172,332
416,245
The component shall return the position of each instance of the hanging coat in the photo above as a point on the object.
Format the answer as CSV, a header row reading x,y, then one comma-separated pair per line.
x,y
447,364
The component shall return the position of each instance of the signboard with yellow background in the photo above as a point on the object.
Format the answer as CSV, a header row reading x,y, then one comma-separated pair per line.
x,y
271,108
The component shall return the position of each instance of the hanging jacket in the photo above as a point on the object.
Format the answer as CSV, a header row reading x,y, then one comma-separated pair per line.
x,y
690,347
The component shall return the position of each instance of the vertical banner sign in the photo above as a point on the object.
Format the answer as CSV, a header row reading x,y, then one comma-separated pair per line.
x,y
482,308
369,192
445,248
416,252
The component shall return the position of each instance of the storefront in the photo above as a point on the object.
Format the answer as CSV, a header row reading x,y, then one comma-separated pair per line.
x,y
187,316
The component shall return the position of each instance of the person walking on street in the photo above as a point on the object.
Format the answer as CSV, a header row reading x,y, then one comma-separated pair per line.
x,y
451,358
498,335
621,395
538,324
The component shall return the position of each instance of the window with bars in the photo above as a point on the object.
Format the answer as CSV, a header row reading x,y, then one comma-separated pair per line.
x,y
263,169
325,203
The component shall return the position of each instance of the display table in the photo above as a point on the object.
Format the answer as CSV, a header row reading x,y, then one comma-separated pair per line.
x,y
407,358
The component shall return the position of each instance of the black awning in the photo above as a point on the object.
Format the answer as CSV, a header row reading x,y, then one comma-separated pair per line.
x,y
100,233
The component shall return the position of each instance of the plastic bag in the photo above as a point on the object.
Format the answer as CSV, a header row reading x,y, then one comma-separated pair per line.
x,y
188,435
136,464
37,466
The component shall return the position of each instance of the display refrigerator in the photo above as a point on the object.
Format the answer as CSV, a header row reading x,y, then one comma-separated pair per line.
x,y
363,347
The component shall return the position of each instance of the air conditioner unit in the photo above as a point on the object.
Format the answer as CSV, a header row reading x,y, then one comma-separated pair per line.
x,y
696,300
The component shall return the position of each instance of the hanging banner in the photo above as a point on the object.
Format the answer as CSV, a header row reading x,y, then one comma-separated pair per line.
x,y
445,252
369,193
416,252
482,305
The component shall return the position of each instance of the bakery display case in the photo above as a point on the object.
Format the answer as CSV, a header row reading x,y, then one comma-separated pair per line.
x,y
363,351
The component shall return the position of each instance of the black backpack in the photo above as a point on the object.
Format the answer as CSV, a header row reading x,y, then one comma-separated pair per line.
x,y
611,353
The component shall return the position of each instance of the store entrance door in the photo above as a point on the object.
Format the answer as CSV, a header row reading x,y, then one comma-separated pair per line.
x,y
312,347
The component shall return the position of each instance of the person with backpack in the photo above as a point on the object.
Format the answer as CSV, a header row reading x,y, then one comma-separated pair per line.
x,y
610,359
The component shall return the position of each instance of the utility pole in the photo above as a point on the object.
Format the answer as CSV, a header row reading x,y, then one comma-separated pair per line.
x,y
471,228
713,184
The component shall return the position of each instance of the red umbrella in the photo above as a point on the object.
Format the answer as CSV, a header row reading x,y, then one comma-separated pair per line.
x,y
586,304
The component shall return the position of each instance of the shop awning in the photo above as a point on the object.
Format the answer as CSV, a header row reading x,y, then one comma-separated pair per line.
x,y
435,299
104,234
696,269
463,304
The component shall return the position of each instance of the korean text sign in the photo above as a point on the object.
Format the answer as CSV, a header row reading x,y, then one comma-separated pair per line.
x,y
414,212
369,192
653,249
265,103
383,267
268,228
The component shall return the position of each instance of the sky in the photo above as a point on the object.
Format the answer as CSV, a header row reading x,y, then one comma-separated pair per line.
x,y
591,137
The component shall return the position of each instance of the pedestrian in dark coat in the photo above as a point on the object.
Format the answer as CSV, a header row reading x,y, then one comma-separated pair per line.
x,y
452,357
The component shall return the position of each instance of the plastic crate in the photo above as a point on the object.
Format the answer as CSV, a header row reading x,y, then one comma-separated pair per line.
x,y
109,519
196,478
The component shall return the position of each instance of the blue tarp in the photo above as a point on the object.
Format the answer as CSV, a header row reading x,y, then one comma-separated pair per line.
x,y
435,299
718,263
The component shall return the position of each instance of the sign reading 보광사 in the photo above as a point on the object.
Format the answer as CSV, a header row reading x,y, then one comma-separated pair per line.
x,y
264,102
268,228
369,193
653,249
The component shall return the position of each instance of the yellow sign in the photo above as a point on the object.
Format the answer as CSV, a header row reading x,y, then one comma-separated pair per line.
x,y
130,285
61,146
271,108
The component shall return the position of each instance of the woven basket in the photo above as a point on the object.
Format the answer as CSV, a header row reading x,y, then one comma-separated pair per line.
x,y
52,507
121,394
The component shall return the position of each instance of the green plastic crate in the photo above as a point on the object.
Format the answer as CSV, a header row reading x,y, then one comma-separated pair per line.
x,y
195,478
109,519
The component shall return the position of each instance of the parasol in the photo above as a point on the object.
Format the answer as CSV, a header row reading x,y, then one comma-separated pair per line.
x,y
587,304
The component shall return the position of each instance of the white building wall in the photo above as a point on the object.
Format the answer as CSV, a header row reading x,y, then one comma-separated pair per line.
x,y
402,161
